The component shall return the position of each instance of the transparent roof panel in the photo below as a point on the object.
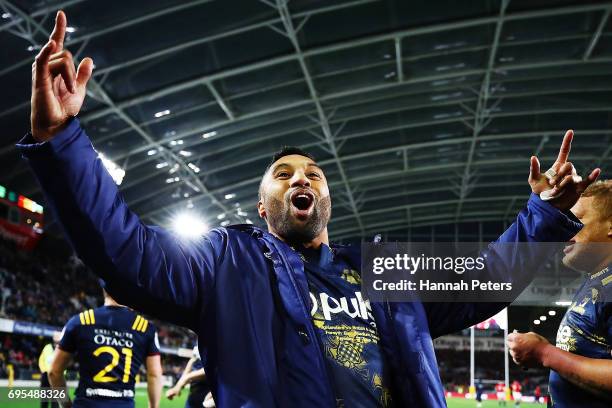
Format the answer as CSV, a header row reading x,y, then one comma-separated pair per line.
x,y
552,25
263,78
396,83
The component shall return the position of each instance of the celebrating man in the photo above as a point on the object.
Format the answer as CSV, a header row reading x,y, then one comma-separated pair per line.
x,y
581,363
272,308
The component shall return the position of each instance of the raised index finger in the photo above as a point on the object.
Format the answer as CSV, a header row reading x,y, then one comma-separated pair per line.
x,y
59,31
566,146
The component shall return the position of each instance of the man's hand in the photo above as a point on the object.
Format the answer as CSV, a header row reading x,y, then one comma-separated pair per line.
x,y
58,90
591,374
566,185
527,349
173,392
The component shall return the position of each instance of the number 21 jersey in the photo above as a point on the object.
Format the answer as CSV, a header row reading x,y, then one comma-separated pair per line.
x,y
110,343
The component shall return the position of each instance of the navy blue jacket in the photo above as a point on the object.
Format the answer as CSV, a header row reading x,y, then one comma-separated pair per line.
x,y
244,292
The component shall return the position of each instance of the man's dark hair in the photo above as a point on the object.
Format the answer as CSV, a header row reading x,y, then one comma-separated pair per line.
x,y
285,151
601,190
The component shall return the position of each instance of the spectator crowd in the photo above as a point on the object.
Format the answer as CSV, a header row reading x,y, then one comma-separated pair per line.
x,y
48,286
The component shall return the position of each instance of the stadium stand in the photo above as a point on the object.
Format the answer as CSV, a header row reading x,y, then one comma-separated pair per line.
x,y
47,286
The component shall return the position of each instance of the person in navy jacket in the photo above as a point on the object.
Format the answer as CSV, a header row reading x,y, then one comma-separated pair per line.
x,y
580,362
279,312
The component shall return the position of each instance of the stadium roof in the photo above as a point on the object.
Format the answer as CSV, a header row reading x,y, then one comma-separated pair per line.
x,y
422,113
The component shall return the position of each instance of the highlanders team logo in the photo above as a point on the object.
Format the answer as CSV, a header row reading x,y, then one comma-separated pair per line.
x,y
348,354
347,348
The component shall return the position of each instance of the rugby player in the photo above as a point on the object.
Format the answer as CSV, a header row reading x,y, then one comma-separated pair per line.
x,y
500,390
516,392
280,312
44,363
110,343
194,375
479,391
581,362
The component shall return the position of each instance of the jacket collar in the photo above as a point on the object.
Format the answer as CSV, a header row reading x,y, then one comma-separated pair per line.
x,y
351,253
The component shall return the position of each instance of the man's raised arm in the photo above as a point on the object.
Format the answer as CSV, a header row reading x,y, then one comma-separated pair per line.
x,y
546,218
144,267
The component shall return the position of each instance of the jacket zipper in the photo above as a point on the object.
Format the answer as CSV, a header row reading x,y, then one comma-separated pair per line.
x,y
310,328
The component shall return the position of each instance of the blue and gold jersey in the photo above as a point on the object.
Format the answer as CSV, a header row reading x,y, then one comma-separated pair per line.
x,y
110,344
586,330
346,330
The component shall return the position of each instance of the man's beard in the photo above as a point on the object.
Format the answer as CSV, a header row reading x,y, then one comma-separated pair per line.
x,y
281,221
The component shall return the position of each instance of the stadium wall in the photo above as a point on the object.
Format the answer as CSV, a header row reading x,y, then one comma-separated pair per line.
x,y
45,330
167,381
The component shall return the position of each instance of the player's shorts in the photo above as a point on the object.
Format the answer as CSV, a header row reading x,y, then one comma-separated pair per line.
x,y
501,396
517,395
197,394
80,402
196,398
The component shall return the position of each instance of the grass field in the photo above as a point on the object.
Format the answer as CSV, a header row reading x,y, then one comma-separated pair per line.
x,y
141,402
463,403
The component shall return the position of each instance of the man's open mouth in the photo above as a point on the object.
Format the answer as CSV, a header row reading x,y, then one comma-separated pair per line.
x,y
302,201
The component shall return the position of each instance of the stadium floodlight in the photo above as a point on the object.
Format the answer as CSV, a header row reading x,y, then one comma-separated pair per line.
x,y
174,168
552,313
189,225
543,318
193,167
162,113
563,303
536,322
116,172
